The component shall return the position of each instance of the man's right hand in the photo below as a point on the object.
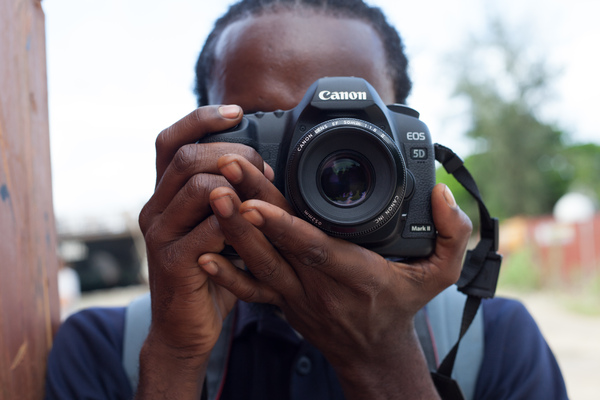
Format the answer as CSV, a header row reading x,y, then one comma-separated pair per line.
x,y
178,227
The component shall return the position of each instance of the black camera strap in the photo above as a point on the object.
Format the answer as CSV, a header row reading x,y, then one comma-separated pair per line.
x,y
480,270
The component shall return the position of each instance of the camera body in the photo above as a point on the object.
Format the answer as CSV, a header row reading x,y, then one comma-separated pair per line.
x,y
350,165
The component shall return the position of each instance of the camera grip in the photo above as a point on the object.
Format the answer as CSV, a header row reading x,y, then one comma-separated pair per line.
x,y
419,222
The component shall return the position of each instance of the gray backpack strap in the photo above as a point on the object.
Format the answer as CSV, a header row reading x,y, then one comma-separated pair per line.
x,y
138,317
217,364
444,314
442,317
424,333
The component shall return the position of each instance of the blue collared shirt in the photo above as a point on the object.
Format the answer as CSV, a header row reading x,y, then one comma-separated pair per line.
x,y
269,360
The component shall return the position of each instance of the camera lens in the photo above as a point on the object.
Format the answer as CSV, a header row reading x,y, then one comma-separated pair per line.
x,y
346,178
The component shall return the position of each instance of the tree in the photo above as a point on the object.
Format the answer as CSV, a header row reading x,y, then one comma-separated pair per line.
x,y
579,165
505,84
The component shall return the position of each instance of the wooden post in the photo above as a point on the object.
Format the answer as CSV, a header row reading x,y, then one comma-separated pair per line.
x,y
29,307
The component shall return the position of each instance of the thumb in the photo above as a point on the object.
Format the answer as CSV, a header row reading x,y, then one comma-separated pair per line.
x,y
454,229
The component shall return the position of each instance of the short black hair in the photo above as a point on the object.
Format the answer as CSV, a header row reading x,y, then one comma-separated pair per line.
x,y
357,9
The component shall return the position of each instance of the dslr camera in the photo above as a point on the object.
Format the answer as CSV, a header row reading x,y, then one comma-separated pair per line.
x,y
350,165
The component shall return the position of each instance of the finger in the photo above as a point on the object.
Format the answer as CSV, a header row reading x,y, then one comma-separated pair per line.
x,y
307,247
191,205
265,263
249,182
269,173
191,160
173,274
204,238
239,282
454,229
191,128
196,159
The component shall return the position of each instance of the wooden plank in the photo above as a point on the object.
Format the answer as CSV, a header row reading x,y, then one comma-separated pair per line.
x,y
29,307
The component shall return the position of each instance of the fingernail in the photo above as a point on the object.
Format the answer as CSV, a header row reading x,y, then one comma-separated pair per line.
x,y
230,111
210,268
232,171
449,197
223,206
254,217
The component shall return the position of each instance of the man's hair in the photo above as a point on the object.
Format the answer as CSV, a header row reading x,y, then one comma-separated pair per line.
x,y
356,9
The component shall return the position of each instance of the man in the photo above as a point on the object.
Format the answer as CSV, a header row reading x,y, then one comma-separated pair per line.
x,y
352,311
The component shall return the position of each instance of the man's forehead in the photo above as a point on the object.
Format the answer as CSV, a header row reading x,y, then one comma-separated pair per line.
x,y
287,51
294,29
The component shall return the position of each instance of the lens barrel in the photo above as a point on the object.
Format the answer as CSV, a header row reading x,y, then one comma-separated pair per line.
x,y
346,176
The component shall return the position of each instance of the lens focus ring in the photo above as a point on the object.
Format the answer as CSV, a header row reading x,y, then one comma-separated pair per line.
x,y
346,176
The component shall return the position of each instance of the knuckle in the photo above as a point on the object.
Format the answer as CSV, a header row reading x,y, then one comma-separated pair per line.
x,y
247,290
184,159
163,139
244,151
194,120
248,153
197,188
253,156
267,272
244,293
467,224
314,255
463,225
145,217
468,228
159,248
198,115
152,236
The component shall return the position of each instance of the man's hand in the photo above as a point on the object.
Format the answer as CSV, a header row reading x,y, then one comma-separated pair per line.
x,y
179,226
351,303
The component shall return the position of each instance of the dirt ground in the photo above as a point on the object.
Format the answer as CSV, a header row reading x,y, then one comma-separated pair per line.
x,y
574,338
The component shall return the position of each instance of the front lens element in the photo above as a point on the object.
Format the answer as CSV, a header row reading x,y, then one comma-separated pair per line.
x,y
346,178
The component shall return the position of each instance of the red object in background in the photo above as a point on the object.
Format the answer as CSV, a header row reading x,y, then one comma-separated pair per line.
x,y
564,251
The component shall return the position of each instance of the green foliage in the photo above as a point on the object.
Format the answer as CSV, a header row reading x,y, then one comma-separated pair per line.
x,y
522,164
517,162
579,166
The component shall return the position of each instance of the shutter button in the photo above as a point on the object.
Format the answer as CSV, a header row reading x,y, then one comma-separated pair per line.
x,y
303,365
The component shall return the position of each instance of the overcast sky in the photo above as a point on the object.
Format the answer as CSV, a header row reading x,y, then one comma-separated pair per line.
x,y
119,71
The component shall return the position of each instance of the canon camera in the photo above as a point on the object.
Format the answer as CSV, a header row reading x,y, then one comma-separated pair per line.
x,y
350,165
